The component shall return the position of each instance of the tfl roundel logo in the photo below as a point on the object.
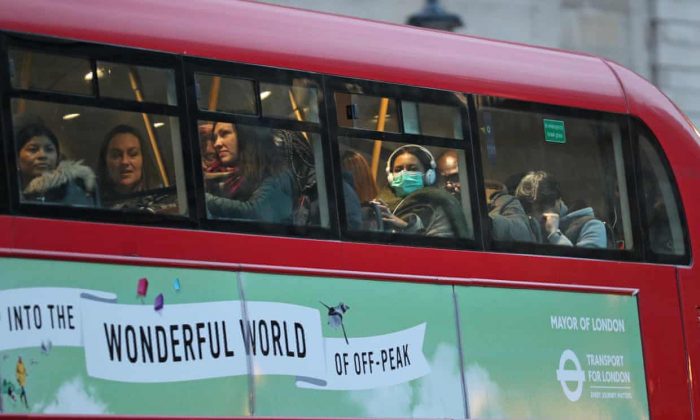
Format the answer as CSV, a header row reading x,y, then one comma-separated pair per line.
x,y
571,380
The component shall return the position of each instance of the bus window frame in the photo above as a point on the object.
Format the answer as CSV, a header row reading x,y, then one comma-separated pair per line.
x,y
188,114
401,93
94,53
547,250
257,74
637,128
5,131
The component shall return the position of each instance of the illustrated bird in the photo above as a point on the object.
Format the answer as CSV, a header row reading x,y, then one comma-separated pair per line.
x,y
46,347
335,317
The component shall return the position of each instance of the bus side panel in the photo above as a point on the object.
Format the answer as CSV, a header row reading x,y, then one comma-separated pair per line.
x,y
664,353
681,144
658,302
689,283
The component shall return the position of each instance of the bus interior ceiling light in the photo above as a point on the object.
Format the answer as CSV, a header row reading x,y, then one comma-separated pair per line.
x,y
70,116
100,74
265,94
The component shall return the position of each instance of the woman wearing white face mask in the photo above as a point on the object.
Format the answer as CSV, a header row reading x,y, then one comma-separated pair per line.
x,y
411,205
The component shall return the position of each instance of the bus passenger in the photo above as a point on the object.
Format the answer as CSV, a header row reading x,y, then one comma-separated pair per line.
x,y
257,185
359,184
125,181
206,143
299,155
448,167
363,182
509,222
539,192
46,178
411,204
214,172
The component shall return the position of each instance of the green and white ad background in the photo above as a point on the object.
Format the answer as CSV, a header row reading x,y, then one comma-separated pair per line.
x,y
242,344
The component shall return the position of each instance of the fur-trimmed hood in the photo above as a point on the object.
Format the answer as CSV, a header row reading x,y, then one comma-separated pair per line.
x,y
68,171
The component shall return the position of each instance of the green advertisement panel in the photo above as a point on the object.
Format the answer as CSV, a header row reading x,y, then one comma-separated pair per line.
x,y
551,355
390,350
115,339
83,338
88,338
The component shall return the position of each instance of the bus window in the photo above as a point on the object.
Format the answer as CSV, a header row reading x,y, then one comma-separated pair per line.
x,y
262,174
298,101
661,213
136,83
93,157
431,120
562,175
49,72
366,112
407,195
225,94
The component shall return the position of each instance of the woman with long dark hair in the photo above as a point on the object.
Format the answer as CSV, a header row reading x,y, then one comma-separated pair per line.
x,y
257,184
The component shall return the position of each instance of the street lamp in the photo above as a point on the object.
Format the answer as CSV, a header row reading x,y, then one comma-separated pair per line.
x,y
433,16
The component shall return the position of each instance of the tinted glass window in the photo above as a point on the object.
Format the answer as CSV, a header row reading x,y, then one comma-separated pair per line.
x,y
298,101
225,94
431,119
94,157
408,194
553,179
136,83
661,212
366,112
49,72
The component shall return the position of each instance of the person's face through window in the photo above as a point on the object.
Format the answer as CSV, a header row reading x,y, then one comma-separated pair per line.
x,y
125,162
545,208
226,143
407,162
209,157
37,156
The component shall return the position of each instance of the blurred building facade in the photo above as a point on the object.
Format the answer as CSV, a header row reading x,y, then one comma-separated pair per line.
x,y
659,39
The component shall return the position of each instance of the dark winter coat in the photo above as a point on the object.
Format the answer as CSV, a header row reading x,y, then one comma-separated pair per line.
x,y
431,212
272,202
509,222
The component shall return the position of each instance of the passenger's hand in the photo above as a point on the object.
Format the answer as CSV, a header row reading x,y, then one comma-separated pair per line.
x,y
551,222
389,217
452,187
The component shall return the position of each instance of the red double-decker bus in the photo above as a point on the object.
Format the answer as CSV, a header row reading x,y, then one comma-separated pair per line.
x,y
231,209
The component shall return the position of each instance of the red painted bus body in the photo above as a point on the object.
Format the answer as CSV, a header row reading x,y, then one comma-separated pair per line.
x,y
248,32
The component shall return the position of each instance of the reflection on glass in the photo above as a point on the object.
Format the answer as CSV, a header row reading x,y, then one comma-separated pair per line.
x,y
225,94
263,174
366,112
298,102
431,120
136,83
132,168
662,216
411,196
49,72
